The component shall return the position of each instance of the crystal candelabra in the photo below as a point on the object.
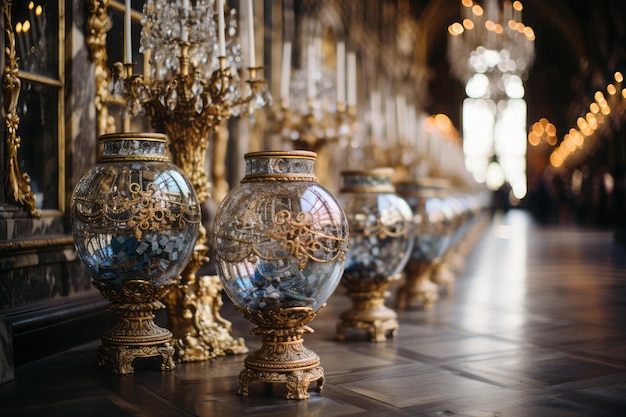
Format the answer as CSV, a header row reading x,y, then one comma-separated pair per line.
x,y
190,86
314,111
490,40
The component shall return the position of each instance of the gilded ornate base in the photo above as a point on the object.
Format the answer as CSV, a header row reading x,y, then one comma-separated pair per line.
x,y
200,332
284,362
369,312
122,357
444,277
282,357
135,335
418,288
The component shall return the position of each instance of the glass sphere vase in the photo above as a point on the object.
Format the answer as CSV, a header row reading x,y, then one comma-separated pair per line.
x,y
381,240
135,219
281,241
433,222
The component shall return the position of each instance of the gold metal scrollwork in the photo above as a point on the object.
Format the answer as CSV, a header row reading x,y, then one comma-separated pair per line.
x,y
296,238
98,24
16,183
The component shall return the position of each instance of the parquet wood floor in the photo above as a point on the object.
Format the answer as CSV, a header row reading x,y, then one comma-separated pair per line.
x,y
535,327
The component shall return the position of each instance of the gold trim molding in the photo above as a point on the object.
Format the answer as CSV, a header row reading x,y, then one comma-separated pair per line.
x,y
16,184
98,24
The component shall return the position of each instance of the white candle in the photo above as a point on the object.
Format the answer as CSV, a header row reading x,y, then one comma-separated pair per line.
x,y
341,72
128,44
401,118
221,28
146,64
376,109
251,34
391,132
184,36
310,73
285,75
352,79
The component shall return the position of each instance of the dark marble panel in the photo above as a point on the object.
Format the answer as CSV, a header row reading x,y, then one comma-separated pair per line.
x,y
16,225
7,371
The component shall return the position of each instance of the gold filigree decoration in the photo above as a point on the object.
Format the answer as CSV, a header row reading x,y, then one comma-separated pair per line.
x,y
302,242
142,211
17,184
383,231
296,238
286,322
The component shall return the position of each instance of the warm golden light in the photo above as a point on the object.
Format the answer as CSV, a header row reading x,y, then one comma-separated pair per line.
x,y
537,129
25,26
468,24
498,28
31,5
579,140
551,129
534,138
517,5
592,120
530,33
594,107
490,25
38,11
467,3
477,10
555,160
443,122
455,28
598,96
18,27
619,77
611,89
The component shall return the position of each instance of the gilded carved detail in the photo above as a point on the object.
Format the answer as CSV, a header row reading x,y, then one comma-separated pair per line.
x,y
16,183
98,24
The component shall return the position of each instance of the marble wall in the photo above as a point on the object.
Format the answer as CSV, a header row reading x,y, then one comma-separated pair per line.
x,y
39,269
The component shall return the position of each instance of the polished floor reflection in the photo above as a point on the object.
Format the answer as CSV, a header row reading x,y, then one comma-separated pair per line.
x,y
535,327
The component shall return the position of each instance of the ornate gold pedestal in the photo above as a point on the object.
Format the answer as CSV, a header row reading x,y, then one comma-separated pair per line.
x,y
418,286
135,335
368,310
200,332
282,357
444,277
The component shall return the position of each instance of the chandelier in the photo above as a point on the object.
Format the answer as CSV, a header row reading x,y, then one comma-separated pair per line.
x,y
490,40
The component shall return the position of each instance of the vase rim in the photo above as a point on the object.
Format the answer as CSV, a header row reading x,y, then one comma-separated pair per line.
x,y
376,172
431,182
158,137
303,154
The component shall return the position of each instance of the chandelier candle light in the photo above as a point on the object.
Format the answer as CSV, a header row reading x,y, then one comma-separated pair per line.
x,y
317,109
189,89
490,40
